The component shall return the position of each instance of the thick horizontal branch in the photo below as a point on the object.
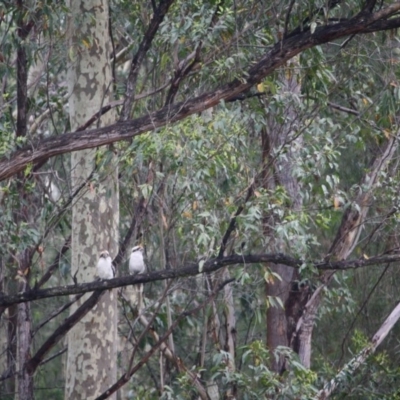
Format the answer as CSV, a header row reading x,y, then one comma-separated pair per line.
x,y
277,56
192,269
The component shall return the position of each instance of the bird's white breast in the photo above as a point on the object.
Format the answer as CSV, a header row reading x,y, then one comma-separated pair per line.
x,y
104,268
136,263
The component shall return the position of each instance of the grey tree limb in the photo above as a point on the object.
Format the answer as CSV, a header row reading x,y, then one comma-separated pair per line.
x,y
193,269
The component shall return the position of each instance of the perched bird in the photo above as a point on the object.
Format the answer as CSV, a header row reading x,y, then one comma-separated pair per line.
x,y
136,261
105,269
136,266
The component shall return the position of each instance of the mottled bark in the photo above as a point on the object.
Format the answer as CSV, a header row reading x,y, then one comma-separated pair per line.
x,y
62,329
92,343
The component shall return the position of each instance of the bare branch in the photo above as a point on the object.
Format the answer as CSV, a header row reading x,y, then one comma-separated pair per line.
x,y
22,78
56,312
58,354
192,269
181,72
344,109
369,6
158,17
288,12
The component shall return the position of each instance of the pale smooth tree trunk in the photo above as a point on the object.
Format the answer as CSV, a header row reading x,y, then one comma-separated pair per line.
x,y
92,343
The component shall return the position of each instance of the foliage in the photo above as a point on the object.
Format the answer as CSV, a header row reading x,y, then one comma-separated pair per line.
x,y
182,186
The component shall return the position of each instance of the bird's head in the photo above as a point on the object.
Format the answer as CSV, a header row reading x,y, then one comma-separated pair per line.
x,y
104,254
137,248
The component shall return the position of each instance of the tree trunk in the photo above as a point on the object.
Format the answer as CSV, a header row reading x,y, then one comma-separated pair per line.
x,y
92,343
278,171
230,333
25,379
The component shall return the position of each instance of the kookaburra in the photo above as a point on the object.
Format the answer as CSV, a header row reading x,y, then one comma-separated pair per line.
x,y
105,269
136,261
